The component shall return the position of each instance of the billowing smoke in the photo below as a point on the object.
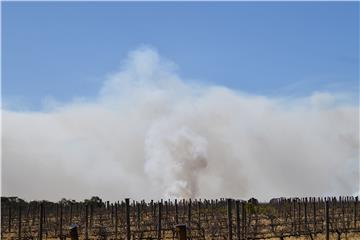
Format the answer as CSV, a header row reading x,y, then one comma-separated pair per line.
x,y
150,134
175,158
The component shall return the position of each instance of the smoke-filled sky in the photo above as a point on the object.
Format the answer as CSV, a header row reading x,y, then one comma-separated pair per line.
x,y
150,134
152,130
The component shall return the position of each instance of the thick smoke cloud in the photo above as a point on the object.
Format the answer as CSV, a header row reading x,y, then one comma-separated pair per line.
x,y
150,134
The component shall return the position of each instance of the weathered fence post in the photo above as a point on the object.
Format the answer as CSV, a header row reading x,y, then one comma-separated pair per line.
x,y
128,234
355,210
305,214
41,218
294,215
19,223
57,219
237,207
159,221
116,220
71,213
34,213
342,204
138,215
28,213
176,212
61,222
9,218
243,218
199,212
152,207
229,218
87,221
2,219
45,220
327,219
189,213
91,214
299,216
112,214
314,214
166,213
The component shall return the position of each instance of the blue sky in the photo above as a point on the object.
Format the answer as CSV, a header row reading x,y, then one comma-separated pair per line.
x,y
66,49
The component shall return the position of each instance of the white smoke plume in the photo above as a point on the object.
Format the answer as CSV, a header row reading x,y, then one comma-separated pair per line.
x,y
175,157
150,134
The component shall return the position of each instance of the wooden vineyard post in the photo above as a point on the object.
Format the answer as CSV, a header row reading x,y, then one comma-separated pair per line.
x,y
152,207
44,214
79,209
108,209
61,222
199,213
257,218
154,212
159,221
57,219
138,215
27,217
206,202
9,218
342,203
349,200
183,212
127,208
71,213
305,215
237,208
2,219
41,218
294,215
112,214
332,207
243,218
86,221
189,213
166,214
229,218
91,214
19,223
189,209
314,215
327,219
355,210
176,212
299,217
321,203
45,219
116,220
34,213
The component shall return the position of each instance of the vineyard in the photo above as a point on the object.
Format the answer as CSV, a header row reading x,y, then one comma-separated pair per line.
x,y
225,219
